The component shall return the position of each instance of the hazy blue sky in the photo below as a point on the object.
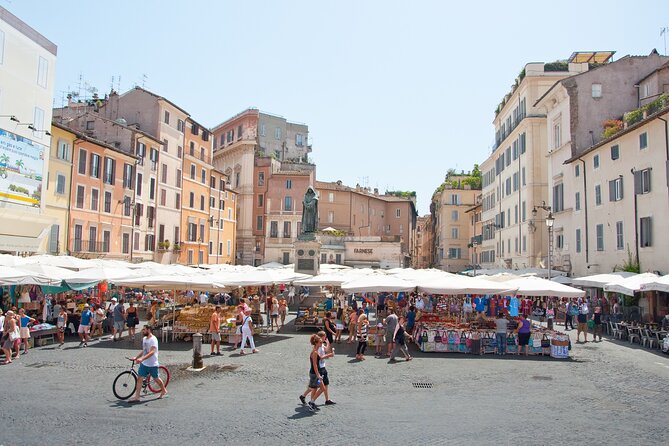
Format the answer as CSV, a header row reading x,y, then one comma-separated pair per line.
x,y
394,92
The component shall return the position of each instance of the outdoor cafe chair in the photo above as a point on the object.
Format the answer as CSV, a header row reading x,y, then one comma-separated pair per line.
x,y
619,332
660,335
647,338
634,334
614,330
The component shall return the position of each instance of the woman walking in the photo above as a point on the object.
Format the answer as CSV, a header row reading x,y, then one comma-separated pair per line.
x,y
352,324
283,310
247,333
400,341
132,319
61,325
275,313
363,330
10,336
315,379
330,330
25,322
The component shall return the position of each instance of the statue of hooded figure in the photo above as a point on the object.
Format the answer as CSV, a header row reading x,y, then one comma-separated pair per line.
x,y
309,212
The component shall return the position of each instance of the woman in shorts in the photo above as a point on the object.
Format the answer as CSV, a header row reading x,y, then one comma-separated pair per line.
x,y
524,332
10,336
274,313
25,321
283,310
132,320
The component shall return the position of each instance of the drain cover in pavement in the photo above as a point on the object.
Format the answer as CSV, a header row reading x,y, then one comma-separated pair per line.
x,y
542,378
422,385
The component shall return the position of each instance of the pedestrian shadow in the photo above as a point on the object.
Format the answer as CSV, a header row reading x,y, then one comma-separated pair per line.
x,y
301,412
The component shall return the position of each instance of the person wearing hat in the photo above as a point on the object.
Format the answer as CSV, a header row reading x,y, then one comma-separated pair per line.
x,y
85,325
378,339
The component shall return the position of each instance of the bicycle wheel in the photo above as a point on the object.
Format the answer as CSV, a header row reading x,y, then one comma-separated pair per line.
x,y
164,375
124,385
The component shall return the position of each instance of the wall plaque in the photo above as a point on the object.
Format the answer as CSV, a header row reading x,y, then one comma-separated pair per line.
x,y
305,264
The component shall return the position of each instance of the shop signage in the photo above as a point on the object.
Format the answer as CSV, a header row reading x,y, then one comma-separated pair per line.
x,y
363,251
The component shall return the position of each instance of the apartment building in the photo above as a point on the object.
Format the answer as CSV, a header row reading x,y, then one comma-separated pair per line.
x,y
166,122
101,215
617,211
278,210
27,80
222,220
238,141
453,231
515,175
423,257
132,141
58,187
360,212
473,214
197,201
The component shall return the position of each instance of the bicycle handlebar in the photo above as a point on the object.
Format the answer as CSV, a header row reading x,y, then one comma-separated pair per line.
x,y
130,359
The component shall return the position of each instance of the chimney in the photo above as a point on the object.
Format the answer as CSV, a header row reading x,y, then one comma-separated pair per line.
x,y
376,191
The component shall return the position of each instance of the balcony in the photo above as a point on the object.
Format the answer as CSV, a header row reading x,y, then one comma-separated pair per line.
x,y
88,246
198,155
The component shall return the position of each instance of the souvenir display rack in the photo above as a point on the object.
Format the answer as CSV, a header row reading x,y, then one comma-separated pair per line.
x,y
310,317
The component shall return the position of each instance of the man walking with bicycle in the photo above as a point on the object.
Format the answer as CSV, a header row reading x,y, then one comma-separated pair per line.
x,y
148,359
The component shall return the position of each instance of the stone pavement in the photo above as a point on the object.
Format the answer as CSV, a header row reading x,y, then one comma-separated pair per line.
x,y
608,393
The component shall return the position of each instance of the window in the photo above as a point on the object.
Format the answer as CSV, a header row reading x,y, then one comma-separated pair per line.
x,y
163,197
108,200
180,152
230,136
558,197
212,182
192,171
195,129
63,151
524,243
178,177
559,241
259,224
577,170
106,241
166,146
277,133
515,214
642,181
60,184
557,137
523,211
135,244
455,215
263,130
239,132
523,176
643,140
578,240
600,237
82,161
110,171
180,125
330,216
167,117
80,197
595,162
139,183
191,200
598,195
596,90
192,232
190,257
203,176
401,228
616,189
95,199
455,233
615,152
212,202
229,213
126,206
211,248
454,253
201,231
298,140
229,247
92,238
42,72
202,202
154,158
398,213
237,179
646,232
177,201
127,176
191,151
455,199
78,234
577,201
261,178
288,204
619,236
152,189
331,197
273,229
177,234
289,184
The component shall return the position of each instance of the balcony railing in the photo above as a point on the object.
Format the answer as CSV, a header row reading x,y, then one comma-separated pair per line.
x,y
198,155
507,131
89,246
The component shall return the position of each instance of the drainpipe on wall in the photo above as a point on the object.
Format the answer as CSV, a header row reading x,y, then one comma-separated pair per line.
x,y
636,222
585,208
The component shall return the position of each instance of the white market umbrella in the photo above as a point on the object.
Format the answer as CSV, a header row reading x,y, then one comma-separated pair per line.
x,y
659,284
500,277
632,284
103,273
272,265
562,279
54,273
259,277
465,285
17,276
174,282
68,262
378,282
536,286
599,280
10,260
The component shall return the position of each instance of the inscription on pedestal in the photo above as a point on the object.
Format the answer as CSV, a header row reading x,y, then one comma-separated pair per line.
x,y
305,264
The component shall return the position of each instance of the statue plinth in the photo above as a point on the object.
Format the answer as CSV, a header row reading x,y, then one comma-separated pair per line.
x,y
307,254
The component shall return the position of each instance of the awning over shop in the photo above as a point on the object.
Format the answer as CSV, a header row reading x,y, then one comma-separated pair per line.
x,y
23,231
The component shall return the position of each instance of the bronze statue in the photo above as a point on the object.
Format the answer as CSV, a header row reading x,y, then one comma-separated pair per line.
x,y
310,212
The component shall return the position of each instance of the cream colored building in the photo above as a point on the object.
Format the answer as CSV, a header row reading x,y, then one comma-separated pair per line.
x,y
514,176
27,81
57,194
452,228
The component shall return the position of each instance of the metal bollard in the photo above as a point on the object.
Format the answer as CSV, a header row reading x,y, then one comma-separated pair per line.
x,y
197,351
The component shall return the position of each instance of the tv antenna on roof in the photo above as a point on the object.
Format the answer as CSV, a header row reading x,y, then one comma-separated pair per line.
x,y
663,32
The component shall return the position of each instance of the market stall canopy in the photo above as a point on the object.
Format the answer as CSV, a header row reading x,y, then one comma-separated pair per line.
x,y
660,284
536,286
175,282
10,260
102,273
631,285
465,285
16,276
68,262
500,277
54,273
562,279
599,280
377,282
259,277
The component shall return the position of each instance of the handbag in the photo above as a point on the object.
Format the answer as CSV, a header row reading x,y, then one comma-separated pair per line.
x,y
591,324
14,335
545,341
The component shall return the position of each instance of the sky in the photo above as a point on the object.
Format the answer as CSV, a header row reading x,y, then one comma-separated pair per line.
x,y
394,92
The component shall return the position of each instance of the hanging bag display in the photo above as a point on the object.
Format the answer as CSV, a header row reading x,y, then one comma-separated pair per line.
x,y
437,338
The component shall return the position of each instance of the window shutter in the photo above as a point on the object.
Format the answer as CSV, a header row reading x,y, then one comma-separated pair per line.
x,y
53,239
667,171
612,190
637,182
648,183
622,189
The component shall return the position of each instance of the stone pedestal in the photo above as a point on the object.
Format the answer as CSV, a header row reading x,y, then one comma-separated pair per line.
x,y
307,256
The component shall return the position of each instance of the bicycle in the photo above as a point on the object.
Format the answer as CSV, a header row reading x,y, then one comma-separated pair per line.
x,y
126,382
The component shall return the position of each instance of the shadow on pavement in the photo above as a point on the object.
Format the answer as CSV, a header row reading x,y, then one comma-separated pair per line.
x,y
301,412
